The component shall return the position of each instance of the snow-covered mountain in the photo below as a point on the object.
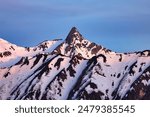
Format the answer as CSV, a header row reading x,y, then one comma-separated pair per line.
x,y
74,68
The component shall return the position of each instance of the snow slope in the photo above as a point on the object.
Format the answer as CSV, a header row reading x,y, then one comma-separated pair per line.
x,y
72,69
10,52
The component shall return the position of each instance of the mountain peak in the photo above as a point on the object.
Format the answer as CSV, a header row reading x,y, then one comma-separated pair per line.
x,y
73,35
74,29
72,69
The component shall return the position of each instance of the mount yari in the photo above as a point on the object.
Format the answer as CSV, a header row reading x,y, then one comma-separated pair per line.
x,y
72,69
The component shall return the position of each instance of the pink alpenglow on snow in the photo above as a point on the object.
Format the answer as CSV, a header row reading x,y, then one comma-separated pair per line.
x,y
74,68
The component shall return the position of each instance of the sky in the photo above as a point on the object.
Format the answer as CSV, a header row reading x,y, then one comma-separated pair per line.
x,y
119,25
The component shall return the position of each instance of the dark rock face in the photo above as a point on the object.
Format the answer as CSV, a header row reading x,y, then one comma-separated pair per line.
x,y
140,88
76,69
5,54
72,36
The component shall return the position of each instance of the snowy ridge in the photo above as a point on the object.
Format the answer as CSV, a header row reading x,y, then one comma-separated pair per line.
x,y
10,52
72,69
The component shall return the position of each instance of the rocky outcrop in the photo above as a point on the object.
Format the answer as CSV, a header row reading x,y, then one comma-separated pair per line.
x,y
73,69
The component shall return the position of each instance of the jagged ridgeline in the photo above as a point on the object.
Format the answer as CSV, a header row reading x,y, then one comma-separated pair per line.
x,y
74,68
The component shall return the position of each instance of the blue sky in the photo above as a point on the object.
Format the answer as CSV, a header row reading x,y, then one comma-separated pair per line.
x,y
120,25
